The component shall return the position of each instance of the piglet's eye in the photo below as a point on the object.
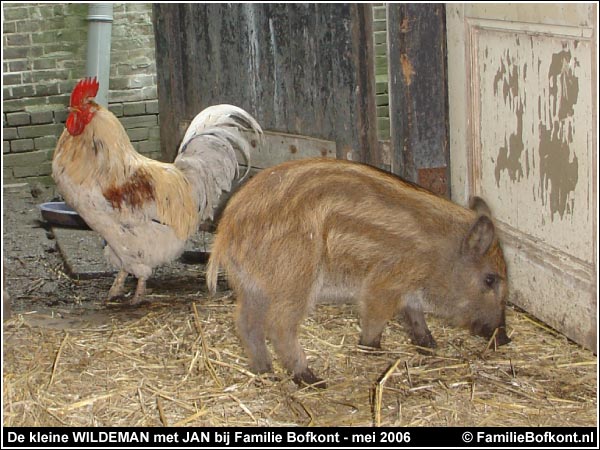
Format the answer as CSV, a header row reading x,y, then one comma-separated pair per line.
x,y
490,280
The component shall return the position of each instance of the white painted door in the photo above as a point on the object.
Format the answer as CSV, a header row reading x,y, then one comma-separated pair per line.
x,y
522,101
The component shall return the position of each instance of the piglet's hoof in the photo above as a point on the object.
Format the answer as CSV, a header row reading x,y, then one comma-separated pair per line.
x,y
308,378
425,344
374,344
501,337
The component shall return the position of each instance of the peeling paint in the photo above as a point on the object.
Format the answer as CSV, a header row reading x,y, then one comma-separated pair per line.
x,y
558,172
509,155
499,77
407,69
404,26
559,165
561,80
513,81
510,84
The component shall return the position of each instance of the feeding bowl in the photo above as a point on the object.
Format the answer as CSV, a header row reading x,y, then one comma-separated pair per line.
x,y
61,214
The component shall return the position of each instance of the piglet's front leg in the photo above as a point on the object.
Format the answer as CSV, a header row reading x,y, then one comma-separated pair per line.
x,y
414,318
376,311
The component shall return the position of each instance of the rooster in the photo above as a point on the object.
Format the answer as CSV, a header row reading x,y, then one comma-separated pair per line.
x,y
145,209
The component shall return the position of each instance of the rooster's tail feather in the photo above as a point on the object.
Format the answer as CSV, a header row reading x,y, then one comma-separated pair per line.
x,y
207,154
223,117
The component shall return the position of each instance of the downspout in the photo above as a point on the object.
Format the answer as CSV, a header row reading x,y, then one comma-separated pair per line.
x,y
100,17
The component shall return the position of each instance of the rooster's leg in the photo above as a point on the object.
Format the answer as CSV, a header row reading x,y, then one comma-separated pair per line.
x,y
140,292
118,286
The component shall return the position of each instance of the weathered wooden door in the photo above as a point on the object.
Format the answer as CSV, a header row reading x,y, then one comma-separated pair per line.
x,y
522,104
304,71
418,93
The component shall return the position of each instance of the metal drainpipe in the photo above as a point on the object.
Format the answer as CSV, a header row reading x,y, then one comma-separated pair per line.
x,y
100,17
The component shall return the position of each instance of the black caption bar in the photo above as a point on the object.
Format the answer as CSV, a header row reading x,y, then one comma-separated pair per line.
x,y
299,437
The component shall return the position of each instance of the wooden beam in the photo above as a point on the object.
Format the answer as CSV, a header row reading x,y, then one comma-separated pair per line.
x,y
418,92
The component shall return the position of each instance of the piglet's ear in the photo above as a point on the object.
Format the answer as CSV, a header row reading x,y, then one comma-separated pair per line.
x,y
479,238
479,205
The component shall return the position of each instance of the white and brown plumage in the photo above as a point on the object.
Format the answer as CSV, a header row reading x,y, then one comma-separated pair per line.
x,y
145,209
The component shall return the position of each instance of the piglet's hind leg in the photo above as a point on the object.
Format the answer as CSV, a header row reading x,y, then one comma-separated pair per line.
x,y
251,314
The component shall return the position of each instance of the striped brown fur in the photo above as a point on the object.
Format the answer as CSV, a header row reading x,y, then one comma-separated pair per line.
x,y
313,229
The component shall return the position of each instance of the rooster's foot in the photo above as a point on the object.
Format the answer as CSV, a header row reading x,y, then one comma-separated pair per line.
x,y
140,292
118,287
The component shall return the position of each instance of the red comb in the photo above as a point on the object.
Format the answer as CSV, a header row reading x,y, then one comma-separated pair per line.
x,y
86,88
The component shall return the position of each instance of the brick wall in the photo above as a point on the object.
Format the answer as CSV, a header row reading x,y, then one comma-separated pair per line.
x,y
44,50
381,71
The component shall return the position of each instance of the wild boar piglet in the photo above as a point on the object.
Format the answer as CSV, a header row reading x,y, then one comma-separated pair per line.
x,y
322,229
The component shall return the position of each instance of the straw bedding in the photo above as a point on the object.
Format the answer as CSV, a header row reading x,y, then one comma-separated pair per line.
x,y
178,362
